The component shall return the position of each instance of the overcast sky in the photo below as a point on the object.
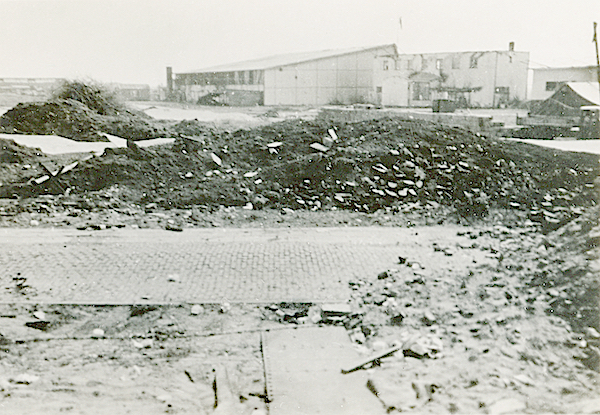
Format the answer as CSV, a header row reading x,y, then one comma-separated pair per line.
x,y
133,41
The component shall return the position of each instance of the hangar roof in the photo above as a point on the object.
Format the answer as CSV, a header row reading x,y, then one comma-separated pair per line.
x,y
287,59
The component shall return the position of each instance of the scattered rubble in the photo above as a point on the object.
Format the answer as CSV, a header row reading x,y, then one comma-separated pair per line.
x,y
520,335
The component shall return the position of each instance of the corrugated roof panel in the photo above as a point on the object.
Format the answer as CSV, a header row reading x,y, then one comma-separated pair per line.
x,y
284,60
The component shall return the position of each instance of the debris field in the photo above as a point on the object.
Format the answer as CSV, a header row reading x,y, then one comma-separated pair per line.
x,y
516,334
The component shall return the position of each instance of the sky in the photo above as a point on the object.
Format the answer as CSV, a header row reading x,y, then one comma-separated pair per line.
x,y
133,41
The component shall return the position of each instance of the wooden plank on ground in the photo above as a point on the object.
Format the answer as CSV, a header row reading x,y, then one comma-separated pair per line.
x,y
303,368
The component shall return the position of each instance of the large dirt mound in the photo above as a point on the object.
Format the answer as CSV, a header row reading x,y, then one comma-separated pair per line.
x,y
81,112
385,164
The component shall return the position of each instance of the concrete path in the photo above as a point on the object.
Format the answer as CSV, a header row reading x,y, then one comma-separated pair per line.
x,y
130,266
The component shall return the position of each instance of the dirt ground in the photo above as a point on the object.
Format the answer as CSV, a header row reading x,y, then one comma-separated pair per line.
x,y
518,333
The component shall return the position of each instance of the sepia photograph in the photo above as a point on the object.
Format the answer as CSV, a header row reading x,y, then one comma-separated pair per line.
x,y
268,207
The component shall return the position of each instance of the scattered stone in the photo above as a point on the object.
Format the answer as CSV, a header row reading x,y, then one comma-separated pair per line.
x,y
525,380
24,379
143,344
397,319
40,315
592,332
39,325
97,333
216,159
174,278
428,318
174,227
315,314
319,147
225,308
383,275
197,309
358,336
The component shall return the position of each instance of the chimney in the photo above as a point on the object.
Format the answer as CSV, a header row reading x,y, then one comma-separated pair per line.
x,y
169,81
511,47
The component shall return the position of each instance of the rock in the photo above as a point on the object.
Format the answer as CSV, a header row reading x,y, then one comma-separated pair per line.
x,y
416,349
174,278
319,147
25,379
315,314
336,309
196,309
40,315
383,275
592,332
428,318
524,380
97,333
358,336
173,227
39,325
143,344
397,319
216,159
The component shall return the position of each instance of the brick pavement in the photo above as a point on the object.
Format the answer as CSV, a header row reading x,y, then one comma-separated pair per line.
x,y
128,266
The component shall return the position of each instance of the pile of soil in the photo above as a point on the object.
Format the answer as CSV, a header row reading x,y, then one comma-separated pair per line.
x,y
364,167
81,112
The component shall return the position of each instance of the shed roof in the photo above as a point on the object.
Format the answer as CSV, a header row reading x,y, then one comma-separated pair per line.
x,y
287,59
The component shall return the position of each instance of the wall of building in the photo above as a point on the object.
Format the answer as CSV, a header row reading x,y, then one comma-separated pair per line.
x,y
547,80
33,87
475,123
342,79
499,76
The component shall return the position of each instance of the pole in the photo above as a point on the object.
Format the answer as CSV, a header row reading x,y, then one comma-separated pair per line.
x,y
595,40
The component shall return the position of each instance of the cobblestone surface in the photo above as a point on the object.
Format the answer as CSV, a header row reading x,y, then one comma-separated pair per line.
x,y
128,266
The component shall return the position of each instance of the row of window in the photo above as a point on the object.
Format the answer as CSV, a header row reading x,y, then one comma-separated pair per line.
x,y
222,78
412,64
426,63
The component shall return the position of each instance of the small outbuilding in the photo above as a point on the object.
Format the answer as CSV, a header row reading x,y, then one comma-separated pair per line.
x,y
568,99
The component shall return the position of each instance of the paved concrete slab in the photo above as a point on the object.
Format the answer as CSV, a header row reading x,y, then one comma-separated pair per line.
x,y
303,371
129,266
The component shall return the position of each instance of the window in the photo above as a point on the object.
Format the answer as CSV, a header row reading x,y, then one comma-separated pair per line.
x,y
386,65
379,89
424,64
456,62
421,91
552,86
502,90
473,63
438,64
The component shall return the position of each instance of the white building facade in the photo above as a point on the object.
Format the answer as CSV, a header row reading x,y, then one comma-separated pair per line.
x,y
376,75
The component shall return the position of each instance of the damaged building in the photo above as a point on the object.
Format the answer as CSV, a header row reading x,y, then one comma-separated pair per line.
x,y
376,75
